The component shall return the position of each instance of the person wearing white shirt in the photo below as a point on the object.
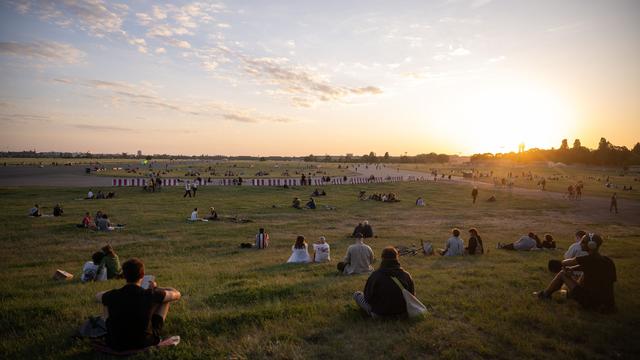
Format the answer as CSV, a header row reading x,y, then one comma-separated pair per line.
x,y
194,215
90,194
299,252
321,251
187,189
575,250
454,246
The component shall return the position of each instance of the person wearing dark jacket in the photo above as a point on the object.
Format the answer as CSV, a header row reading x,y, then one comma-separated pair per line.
x,y
382,296
358,230
475,243
367,230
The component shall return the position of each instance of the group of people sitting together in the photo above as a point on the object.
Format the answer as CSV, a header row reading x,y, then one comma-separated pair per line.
x,y
212,215
297,204
36,211
529,242
100,195
390,197
135,314
101,222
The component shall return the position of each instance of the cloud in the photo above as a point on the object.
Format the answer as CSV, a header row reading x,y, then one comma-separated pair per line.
x,y
299,82
161,50
47,51
102,128
144,95
95,17
460,52
497,59
24,118
479,3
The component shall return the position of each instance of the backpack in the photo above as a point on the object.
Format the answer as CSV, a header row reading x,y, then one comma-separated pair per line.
x,y
427,248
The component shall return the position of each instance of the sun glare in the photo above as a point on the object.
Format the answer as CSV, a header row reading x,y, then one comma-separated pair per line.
x,y
503,118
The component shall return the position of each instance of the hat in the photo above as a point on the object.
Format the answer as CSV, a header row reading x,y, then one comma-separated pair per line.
x,y
389,253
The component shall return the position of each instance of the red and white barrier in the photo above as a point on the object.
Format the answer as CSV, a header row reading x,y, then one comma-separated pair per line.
x,y
140,182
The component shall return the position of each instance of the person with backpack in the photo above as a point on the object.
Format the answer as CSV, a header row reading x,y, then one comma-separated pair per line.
x,y
382,294
91,269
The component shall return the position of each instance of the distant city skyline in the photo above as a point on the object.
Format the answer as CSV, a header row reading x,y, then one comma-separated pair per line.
x,y
304,77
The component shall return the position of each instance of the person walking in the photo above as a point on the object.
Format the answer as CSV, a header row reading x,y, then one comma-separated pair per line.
x,y
187,189
614,203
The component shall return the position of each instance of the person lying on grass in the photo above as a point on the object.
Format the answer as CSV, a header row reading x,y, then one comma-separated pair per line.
x,y
382,296
299,251
548,242
454,246
525,243
135,316
594,289
358,258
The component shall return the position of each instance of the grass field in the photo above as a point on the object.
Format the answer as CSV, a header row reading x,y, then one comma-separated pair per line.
x,y
558,178
240,303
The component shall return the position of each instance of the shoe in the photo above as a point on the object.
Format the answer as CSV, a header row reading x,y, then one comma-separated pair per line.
x,y
541,295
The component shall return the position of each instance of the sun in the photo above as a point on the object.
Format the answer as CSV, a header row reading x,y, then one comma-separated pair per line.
x,y
501,119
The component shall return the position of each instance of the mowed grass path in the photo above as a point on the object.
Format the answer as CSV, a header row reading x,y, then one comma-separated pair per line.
x,y
240,303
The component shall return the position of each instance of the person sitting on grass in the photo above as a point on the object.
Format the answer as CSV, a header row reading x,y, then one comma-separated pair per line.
x,y
87,222
194,215
357,230
575,250
548,242
299,251
111,262
98,216
358,258
296,203
311,204
35,211
321,251
91,269
57,210
103,223
382,296
262,239
89,195
525,243
135,316
594,290
420,202
475,246
454,246
213,215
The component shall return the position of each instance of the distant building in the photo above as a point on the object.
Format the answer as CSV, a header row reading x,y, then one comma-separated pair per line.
x,y
139,153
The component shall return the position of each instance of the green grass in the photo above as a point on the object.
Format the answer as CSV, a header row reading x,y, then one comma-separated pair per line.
x,y
241,303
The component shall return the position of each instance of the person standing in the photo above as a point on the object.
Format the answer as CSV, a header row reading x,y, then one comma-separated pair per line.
x,y
194,188
614,203
474,194
262,239
187,189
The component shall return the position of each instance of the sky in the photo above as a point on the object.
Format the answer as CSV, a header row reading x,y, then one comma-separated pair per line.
x,y
317,77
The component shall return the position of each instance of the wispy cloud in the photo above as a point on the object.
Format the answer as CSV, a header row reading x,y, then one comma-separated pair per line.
x,y
24,118
102,128
480,3
47,51
96,17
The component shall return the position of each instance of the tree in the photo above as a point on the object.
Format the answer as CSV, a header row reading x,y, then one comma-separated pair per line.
x,y
372,157
386,156
327,158
603,145
262,158
576,144
636,149
565,145
310,158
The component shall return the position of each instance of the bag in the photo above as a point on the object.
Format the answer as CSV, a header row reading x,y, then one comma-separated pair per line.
x,y
94,327
427,248
414,306
102,274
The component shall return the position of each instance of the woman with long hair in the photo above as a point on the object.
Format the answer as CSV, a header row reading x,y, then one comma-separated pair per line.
x,y
299,251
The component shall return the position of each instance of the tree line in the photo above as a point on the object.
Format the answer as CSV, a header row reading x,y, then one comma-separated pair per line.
x,y
606,154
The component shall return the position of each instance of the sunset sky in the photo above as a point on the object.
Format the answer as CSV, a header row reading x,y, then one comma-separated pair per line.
x,y
302,77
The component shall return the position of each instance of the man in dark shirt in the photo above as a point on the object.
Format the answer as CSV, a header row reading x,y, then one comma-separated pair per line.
x,y
367,230
594,290
382,296
135,316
